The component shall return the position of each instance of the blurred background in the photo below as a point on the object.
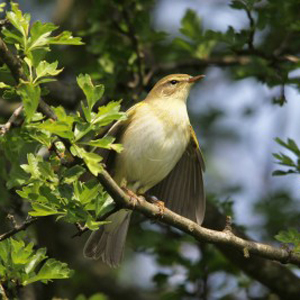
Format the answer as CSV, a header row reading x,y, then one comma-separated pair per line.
x,y
249,97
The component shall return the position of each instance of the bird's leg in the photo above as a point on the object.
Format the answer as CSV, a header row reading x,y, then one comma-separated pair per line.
x,y
133,197
160,204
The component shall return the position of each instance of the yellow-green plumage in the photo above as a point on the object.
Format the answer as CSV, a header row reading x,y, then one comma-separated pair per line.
x,y
161,155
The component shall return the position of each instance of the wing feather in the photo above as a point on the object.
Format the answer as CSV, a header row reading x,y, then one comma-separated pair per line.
x,y
182,190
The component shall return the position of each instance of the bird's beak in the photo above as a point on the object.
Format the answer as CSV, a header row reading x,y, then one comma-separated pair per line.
x,y
195,78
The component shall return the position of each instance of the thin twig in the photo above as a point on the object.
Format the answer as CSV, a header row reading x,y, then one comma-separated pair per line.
x,y
15,67
252,29
5,127
136,46
83,229
12,62
18,228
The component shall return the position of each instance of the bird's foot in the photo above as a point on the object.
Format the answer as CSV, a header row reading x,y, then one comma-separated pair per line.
x,y
158,203
134,198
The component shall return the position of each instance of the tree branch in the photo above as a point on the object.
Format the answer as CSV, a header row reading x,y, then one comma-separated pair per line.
x,y
136,45
3,293
252,29
270,273
194,230
5,127
18,228
242,58
14,65
12,62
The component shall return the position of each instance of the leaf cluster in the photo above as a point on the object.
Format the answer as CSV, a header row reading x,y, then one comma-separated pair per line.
x,y
286,160
290,237
32,42
21,264
38,159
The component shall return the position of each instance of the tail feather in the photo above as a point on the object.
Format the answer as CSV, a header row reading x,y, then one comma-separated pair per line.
x,y
108,242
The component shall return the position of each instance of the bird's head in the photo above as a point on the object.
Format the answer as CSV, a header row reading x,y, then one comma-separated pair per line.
x,y
173,87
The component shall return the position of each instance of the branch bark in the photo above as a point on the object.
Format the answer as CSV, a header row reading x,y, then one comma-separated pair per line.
x,y
17,229
14,65
3,293
242,58
271,274
201,234
5,127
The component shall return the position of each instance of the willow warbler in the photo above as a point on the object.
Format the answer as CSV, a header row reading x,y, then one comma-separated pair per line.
x,y
161,156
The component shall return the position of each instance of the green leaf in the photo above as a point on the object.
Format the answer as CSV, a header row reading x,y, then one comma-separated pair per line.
x,y
4,85
117,147
42,210
39,35
12,36
92,161
47,172
94,225
92,93
238,4
20,254
72,174
65,38
191,25
87,112
52,269
2,270
2,5
85,193
290,236
42,138
60,128
181,43
291,145
82,129
63,116
77,151
30,95
106,143
279,173
97,296
38,257
32,167
108,114
18,20
46,69
5,250
21,261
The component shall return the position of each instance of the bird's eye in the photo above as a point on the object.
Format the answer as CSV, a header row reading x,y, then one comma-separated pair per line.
x,y
174,82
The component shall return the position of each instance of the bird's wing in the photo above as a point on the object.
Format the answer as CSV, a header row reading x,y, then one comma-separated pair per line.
x,y
182,190
116,131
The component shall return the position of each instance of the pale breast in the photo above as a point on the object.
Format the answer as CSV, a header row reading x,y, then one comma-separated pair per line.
x,y
153,144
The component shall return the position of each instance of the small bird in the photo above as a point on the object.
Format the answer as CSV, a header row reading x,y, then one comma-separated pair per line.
x,y
161,156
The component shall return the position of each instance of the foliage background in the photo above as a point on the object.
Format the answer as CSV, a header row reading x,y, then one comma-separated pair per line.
x,y
248,51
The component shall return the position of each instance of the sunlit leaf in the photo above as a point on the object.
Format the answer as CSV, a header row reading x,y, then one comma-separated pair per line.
x,y
30,95
52,269
92,92
65,38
